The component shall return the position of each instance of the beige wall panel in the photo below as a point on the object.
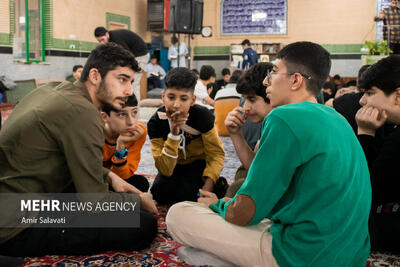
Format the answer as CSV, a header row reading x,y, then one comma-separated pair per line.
x,y
79,18
322,21
4,16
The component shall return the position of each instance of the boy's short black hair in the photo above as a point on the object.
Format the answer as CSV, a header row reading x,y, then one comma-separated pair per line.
x,y
196,71
351,83
225,71
309,59
235,76
362,70
251,82
385,74
246,42
131,102
76,67
360,73
328,85
100,31
180,78
336,77
107,57
206,72
211,85
174,40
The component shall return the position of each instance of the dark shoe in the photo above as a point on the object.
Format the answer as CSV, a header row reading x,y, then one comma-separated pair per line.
x,y
220,187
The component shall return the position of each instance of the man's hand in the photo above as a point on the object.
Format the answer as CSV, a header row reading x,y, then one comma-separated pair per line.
x,y
177,119
235,120
147,203
207,198
120,185
369,119
129,136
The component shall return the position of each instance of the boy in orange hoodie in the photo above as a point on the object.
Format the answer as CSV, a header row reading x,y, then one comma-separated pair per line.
x,y
124,139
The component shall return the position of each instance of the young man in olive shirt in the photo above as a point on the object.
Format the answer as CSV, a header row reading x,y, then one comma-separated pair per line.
x,y
53,142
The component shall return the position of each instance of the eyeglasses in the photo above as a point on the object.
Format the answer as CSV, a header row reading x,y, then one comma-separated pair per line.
x,y
270,72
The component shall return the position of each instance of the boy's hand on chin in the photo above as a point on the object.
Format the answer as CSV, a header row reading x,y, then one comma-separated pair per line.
x,y
369,119
130,135
177,119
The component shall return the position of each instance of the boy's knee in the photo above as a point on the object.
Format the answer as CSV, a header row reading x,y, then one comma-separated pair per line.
x,y
176,214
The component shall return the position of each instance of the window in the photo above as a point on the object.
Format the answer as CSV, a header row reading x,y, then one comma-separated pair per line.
x,y
28,44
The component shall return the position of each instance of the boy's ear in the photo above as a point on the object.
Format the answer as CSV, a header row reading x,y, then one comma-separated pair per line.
x,y
193,100
397,96
297,81
162,97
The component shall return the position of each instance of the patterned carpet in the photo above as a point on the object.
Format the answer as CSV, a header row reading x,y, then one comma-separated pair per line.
x,y
161,253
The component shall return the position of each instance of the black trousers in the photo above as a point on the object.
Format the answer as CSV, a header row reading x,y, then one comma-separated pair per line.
x,y
153,82
140,182
182,185
81,241
384,231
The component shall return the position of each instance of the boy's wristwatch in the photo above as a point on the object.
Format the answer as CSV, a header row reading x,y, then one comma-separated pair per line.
x,y
120,154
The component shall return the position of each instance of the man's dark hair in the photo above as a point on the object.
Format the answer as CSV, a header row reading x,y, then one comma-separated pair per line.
x,y
76,67
235,76
206,72
385,74
107,57
225,71
100,31
131,102
181,78
246,42
309,59
251,82
174,40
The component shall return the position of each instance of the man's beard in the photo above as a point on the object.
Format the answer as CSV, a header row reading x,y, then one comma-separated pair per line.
x,y
103,94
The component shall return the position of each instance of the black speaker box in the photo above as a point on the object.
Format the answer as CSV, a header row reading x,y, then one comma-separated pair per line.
x,y
197,16
186,16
